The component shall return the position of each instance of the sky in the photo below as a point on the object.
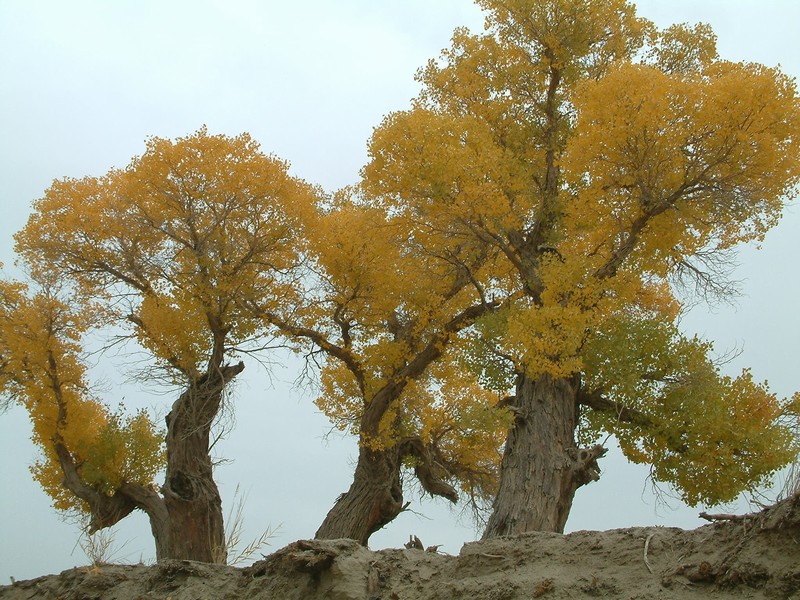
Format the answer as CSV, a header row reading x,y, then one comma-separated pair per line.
x,y
84,83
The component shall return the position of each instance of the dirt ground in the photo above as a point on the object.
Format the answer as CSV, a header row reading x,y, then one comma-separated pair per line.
x,y
753,557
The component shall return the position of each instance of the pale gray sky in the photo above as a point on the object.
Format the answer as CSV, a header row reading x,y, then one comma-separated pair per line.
x,y
85,82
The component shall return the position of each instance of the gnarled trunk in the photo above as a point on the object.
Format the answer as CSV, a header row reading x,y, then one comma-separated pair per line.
x,y
148,500
374,499
187,523
541,467
195,524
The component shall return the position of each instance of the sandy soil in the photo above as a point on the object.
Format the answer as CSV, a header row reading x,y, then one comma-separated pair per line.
x,y
753,557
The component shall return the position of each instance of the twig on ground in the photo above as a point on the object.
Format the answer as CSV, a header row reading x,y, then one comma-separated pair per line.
x,y
724,517
646,548
414,542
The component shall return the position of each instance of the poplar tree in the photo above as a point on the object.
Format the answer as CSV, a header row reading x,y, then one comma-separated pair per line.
x,y
606,162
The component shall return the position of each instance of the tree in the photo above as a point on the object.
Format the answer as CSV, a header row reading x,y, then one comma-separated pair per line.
x,y
90,453
383,299
162,250
605,162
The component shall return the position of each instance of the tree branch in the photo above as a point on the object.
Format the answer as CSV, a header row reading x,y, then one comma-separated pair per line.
x,y
597,401
726,517
585,468
413,369
429,470
339,352
172,360
106,511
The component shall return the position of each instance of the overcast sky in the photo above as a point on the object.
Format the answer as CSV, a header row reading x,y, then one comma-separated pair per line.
x,y
82,84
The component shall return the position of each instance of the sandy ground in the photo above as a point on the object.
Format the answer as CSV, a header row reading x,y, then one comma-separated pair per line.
x,y
753,557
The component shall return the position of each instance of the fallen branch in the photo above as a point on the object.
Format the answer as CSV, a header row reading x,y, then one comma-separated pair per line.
x,y
724,517
646,547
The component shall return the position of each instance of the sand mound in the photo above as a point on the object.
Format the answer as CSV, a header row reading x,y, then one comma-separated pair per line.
x,y
757,556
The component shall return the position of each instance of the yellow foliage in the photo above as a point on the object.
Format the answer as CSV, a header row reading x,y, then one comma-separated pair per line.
x,y
682,48
683,160
40,347
552,177
176,247
174,332
188,232
340,398
580,37
389,288
460,417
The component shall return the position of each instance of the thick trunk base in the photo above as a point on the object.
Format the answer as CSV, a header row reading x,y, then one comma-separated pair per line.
x,y
196,530
374,499
541,467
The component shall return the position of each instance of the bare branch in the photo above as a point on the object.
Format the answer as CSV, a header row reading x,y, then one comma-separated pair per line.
x,y
342,353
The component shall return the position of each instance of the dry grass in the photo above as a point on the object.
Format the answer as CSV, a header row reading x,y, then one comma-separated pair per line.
x,y
99,547
234,529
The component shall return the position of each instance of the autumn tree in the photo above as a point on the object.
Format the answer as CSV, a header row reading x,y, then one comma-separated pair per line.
x,y
382,301
159,251
89,452
608,165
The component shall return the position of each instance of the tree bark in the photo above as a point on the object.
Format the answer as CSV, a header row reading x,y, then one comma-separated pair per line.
x,y
374,499
541,467
187,523
196,530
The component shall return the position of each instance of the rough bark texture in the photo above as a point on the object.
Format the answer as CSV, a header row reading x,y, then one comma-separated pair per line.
x,y
374,499
148,500
541,467
196,530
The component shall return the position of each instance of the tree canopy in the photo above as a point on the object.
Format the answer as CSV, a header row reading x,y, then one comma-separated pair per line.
x,y
605,162
382,300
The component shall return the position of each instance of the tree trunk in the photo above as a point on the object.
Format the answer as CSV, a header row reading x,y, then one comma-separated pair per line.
x,y
374,499
541,467
196,530
147,499
107,511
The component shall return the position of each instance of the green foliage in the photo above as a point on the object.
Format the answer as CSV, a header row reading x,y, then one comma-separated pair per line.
x,y
128,448
480,355
709,435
